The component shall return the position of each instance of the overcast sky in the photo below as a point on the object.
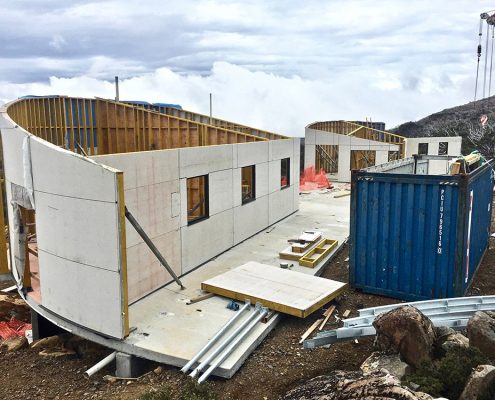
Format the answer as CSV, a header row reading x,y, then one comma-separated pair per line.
x,y
277,65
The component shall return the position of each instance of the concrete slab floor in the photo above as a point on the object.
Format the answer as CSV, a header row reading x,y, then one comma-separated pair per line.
x,y
174,332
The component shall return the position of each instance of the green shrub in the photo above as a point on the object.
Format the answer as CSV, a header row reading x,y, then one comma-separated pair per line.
x,y
447,377
189,391
456,367
426,376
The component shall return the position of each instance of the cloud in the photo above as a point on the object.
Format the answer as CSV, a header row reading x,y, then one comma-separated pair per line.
x,y
285,38
57,42
272,64
266,100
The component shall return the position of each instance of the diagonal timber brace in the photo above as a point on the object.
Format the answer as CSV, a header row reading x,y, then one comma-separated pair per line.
x,y
152,246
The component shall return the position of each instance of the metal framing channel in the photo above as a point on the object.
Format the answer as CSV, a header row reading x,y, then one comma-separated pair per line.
x,y
204,364
217,336
453,313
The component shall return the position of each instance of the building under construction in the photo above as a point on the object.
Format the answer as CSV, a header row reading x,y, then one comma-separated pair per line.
x,y
121,213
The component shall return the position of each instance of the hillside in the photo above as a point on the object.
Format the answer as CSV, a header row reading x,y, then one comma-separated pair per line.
x,y
462,121
469,112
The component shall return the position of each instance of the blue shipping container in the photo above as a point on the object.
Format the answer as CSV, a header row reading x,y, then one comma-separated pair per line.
x,y
417,237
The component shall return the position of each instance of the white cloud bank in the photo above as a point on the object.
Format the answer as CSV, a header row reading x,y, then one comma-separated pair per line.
x,y
273,102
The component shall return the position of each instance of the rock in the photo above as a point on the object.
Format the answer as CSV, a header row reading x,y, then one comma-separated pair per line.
x,y
479,383
407,331
110,379
447,338
455,340
81,346
442,332
481,332
48,342
63,353
158,370
352,385
15,343
390,362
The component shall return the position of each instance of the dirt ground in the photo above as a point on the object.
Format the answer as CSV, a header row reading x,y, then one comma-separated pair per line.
x,y
276,366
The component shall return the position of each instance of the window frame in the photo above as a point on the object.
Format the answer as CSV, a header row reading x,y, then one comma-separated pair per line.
x,y
446,151
423,144
207,200
287,159
253,184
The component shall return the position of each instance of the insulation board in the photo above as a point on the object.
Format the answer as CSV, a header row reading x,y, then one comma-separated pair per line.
x,y
282,290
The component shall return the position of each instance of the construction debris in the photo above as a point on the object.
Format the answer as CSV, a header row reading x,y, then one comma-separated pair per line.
x,y
9,289
13,328
327,314
299,246
315,256
341,194
200,298
310,330
14,343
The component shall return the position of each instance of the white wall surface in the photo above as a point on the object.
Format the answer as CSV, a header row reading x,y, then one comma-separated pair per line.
x,y
229,222
435,167
152,195
77,225
345,144
454,147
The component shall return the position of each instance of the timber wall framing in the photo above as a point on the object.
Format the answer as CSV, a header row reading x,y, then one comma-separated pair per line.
x,y
360,131
219,123
347,146
98,126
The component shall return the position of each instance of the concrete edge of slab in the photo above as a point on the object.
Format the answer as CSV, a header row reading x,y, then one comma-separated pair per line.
x,y
125,346
129,348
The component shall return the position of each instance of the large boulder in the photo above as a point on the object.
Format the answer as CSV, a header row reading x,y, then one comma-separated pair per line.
x,y
480,383
481,332
407,331
390,362
354,385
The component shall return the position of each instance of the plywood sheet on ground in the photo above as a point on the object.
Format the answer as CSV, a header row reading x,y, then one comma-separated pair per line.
x,y
278,289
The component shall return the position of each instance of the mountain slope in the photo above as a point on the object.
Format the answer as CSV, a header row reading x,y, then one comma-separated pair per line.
x,y
469,112
458,121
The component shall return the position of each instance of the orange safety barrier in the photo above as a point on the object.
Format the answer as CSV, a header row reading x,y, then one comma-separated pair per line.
x,y
310,180
13,328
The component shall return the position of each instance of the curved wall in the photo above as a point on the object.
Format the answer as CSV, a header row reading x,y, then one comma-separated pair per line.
x,y
80,229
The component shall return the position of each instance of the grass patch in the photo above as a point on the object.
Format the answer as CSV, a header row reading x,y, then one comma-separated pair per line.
x,y
190,390
447,377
